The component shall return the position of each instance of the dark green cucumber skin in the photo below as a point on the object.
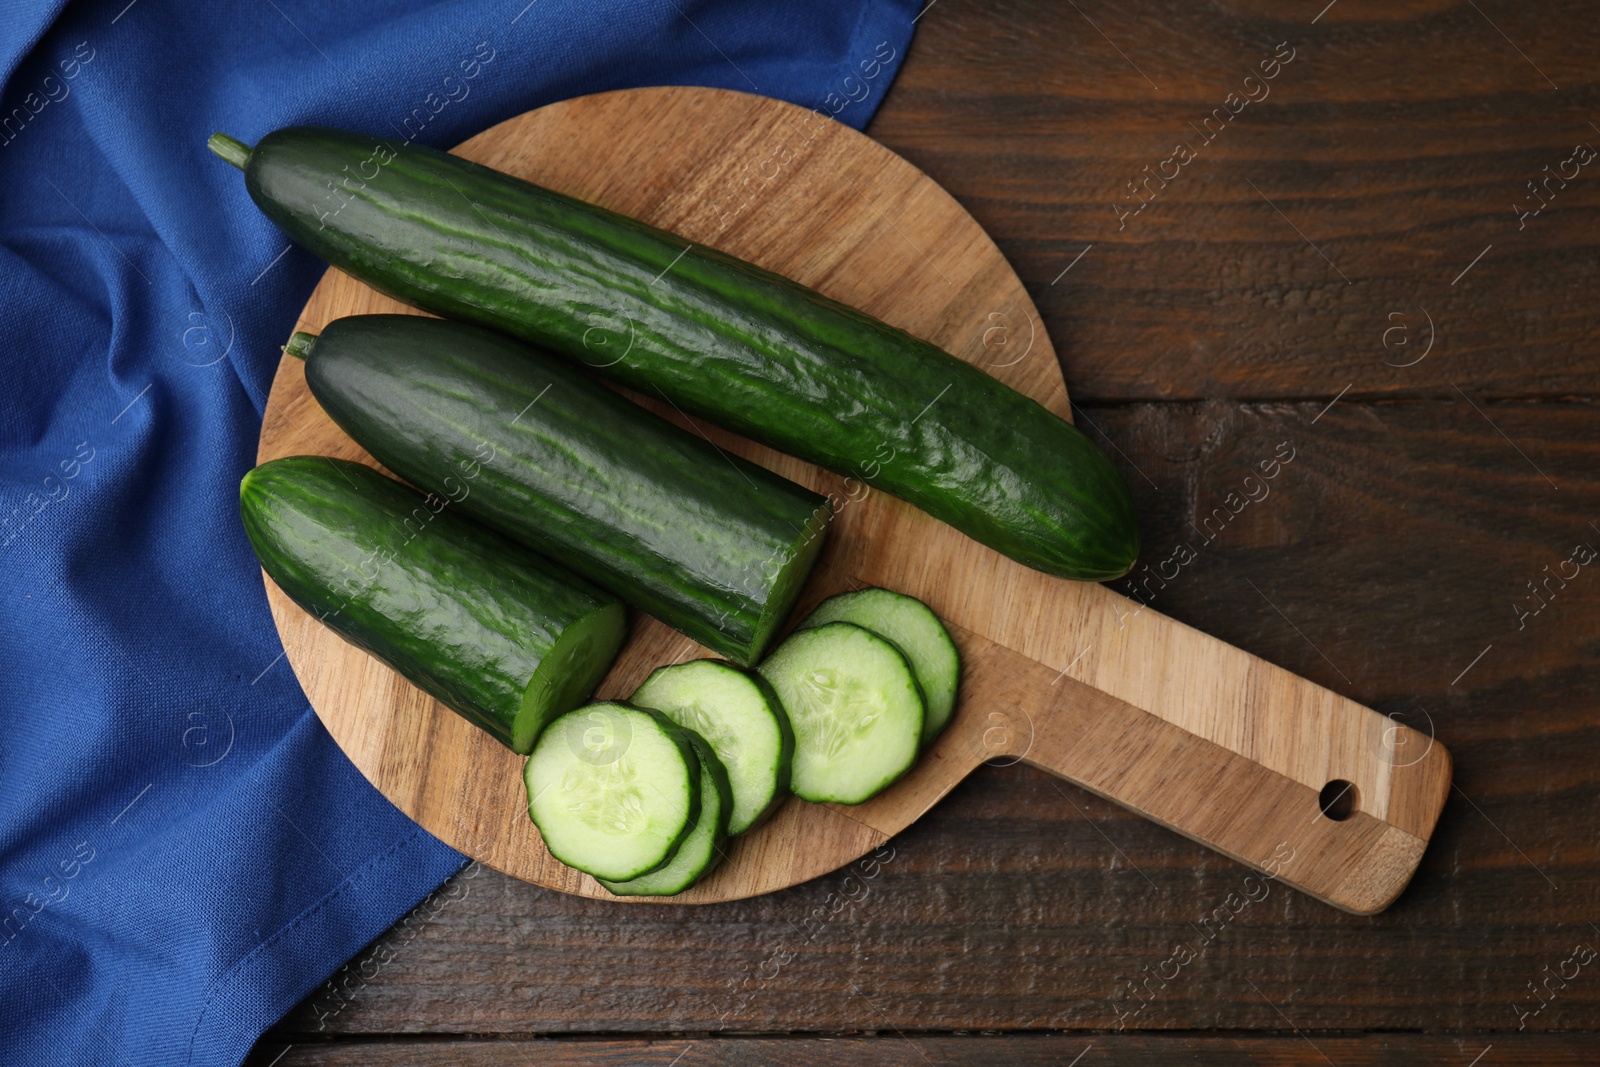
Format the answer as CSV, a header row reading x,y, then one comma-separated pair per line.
x,y
460,611
547,456
724,339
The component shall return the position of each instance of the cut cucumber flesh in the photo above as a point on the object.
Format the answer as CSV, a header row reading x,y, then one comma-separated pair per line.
x,y
855,708
913,628
569,671
613,789
702,847
740,717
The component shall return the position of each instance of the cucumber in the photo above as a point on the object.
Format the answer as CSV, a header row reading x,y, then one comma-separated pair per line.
x,y
740,717
855,707
613,789
719,337
702,848
913,628
507,639
705,541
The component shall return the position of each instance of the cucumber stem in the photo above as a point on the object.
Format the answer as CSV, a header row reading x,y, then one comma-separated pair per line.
x,y
299,345
235,152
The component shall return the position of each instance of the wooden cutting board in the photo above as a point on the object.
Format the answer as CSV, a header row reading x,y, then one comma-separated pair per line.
x,y
1071,677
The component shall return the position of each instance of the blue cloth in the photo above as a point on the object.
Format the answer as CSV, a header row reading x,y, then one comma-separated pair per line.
x,y
184,853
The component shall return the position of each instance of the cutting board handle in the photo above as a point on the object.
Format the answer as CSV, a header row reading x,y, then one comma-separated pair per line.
x,y
1281,774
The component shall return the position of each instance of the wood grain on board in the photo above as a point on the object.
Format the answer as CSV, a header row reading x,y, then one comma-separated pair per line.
x,y
1198,735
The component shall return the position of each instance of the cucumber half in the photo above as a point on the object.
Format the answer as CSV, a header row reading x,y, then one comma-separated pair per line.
x,y
913,628
702,848
709,543
613,789
856,711
740,717
506,638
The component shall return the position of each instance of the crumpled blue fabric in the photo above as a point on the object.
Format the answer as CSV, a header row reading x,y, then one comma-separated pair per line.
x,y
184,852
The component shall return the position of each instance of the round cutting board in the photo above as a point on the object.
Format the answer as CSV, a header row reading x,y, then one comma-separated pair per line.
x,y
1064,675
765,181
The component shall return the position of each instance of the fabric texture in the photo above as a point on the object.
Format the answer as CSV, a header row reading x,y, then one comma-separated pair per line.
x,y
184,852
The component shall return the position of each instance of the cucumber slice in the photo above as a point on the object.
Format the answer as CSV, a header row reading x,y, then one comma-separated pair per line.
x,y
913,628
702,848
855,708
613,789
739,716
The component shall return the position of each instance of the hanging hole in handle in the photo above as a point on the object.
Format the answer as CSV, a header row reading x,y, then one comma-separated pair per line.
x,y
1338,800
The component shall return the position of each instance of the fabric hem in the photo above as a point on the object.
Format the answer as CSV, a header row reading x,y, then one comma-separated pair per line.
x,y
391,865
882,17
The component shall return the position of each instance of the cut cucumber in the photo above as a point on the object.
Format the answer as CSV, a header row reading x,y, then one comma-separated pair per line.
x,y
506,638
702,848
855,707
913,628
707,542
739,716
613,789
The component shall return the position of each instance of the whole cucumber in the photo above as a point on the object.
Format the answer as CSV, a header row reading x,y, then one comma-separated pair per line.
x,y
507,639
719,337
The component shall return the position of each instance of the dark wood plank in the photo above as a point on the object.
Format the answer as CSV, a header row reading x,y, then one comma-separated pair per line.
x,y
1396,140
897,1050
1386,555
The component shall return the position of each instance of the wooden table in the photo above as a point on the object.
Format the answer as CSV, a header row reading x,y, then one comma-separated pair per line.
x,y
1349,267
